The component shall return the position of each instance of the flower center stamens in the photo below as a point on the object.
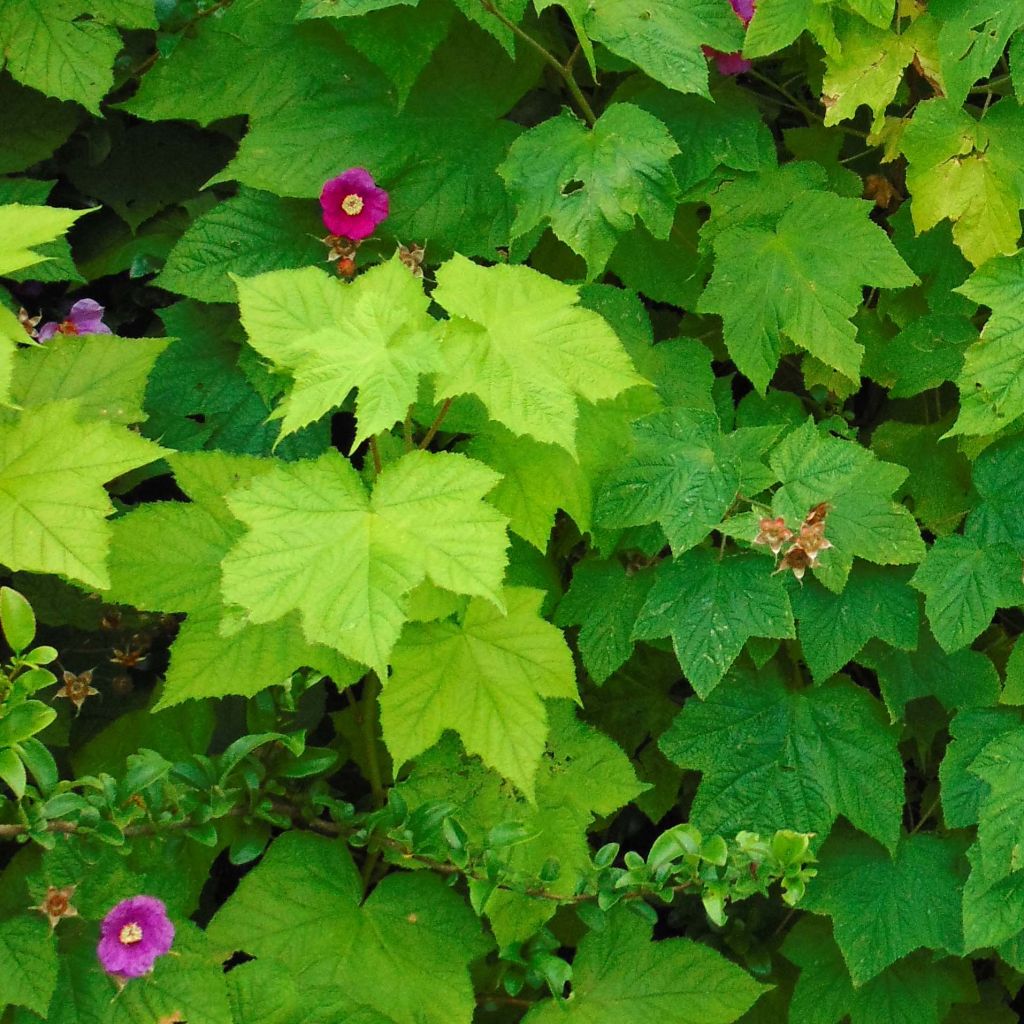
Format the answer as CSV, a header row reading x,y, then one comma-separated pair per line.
x,y
130,934
67,327
352,204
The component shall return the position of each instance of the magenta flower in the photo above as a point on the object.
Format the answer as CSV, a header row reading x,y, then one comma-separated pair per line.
x,y
733,63
133,935
353,205
84,317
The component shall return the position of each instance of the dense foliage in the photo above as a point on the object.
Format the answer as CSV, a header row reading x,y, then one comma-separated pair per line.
x,y
585,585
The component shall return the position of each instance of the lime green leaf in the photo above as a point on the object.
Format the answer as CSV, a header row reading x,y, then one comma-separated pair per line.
x,y
685,475
53,507
964,584
591,184
992,382
105,375
968,171
29,955
972,38
50,47
868,69
604,600
521,343
403,953
863,521
773,276
245,235
536,481
834,627
485,677
317,542
798,760
664,37
620,975
711,607
917,989
913,896
22,228
963,679
373,335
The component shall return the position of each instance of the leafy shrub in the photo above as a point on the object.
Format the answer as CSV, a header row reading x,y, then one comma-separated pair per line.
x,y
586,581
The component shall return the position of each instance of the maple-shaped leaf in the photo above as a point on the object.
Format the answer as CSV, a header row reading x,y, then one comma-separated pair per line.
x,y
969,171
604,600
997,473
798,758
684,474
773,277
711,607
347,559
664,37
620,975
536,481
521,342
868,69
372,336
24,228
591,184
484,676
876,602
917,988
30,963
584,774
53,508
962,679
992,381
104,375
914,893
964,584
863,521
401,956
166,557
972,37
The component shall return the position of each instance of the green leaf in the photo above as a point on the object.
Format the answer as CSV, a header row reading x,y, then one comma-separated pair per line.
x,y
863,521
347,560
591,184
246,235
685,475
104,375
404,953
964,584
536,481
834,627
664,37
53,507
32,126
620,975
917,989
373,335
29,955
17,620
968,171
776,23
485,677
972,38
521,343
710,607
912,897
997,473
604,600
992,382
773,277
23,228
797,760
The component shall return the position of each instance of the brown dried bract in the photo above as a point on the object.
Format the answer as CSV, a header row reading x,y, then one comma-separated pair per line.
x,y
774,533
412,257
77,688
56,904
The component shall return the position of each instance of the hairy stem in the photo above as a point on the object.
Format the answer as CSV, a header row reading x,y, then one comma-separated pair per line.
x,y
436,425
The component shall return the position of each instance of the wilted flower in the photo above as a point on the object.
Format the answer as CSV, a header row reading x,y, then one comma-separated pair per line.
x,y
353,205
84,317
733,63
77,689
796,559
774,533
412,257
29,322
56,904
133,935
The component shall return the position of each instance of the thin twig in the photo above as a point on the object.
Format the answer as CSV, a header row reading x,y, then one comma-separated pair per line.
x,y
375,452
436,425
